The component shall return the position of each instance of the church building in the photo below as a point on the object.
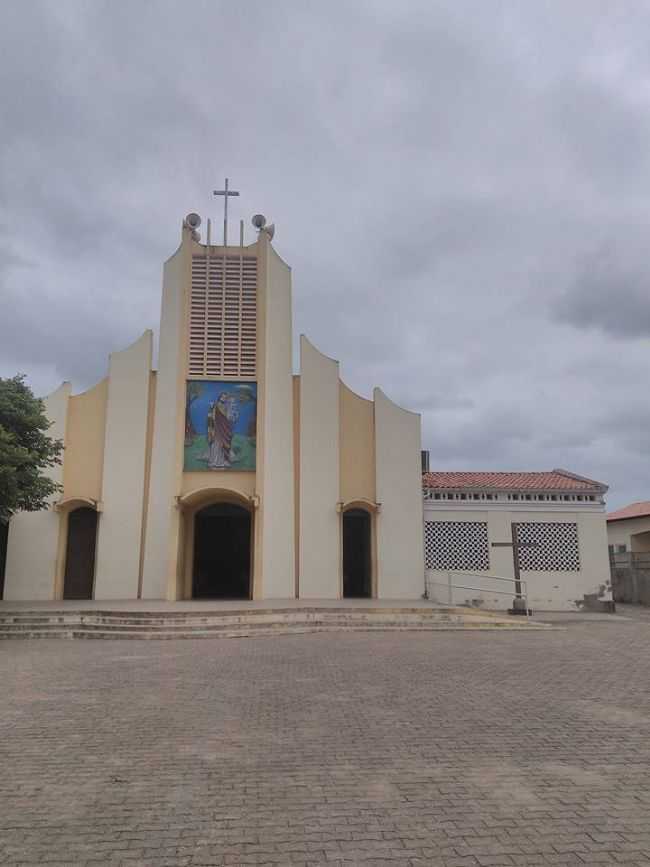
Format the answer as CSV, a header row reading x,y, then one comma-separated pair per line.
x,y
222,474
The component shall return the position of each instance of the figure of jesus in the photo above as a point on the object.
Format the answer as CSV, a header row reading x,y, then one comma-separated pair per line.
x,y
222,417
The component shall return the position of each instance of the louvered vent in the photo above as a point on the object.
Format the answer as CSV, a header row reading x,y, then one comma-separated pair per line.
x,y
223,317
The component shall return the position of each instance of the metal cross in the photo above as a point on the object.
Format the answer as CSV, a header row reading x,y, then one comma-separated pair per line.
x,y
225,193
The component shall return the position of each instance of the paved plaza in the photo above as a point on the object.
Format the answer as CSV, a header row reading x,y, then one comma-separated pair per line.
x,y
439,748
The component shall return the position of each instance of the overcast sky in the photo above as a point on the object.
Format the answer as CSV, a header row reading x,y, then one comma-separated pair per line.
x,y
461,189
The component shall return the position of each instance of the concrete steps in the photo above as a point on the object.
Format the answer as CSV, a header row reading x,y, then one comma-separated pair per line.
x,y
119,623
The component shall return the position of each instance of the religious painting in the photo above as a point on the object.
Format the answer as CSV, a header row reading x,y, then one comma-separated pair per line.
x,y
220,425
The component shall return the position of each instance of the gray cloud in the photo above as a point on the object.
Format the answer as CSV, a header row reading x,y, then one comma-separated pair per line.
x,y
611,292
459,188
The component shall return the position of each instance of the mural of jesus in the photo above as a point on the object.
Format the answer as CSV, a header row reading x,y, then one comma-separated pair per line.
x,y
222,417
220,425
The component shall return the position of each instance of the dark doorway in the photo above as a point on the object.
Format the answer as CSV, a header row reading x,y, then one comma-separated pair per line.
x,y
80,554
357,562
222,553
4,537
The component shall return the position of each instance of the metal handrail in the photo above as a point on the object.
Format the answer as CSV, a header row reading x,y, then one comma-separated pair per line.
x,y
451,586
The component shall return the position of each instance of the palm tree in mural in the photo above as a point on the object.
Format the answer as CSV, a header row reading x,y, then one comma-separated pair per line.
x,y
194,390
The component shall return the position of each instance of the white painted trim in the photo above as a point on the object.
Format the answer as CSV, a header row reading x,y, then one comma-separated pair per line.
x,y
490,506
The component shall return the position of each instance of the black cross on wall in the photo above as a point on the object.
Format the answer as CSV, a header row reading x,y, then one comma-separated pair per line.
x,y
516,545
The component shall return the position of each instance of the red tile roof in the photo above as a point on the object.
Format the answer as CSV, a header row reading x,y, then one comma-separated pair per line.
x,y
555,480
634,510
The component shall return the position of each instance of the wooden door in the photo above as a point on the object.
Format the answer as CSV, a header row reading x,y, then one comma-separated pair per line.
x,y
80,554
357,563
4,538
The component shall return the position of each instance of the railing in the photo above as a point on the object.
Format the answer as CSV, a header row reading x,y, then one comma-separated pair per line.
x,y
520,590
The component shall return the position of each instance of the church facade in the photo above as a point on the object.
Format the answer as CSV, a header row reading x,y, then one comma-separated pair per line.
x,y
222,474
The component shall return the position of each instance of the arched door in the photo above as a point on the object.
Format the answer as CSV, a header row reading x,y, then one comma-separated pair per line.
x,y
222,553
357,559
80,554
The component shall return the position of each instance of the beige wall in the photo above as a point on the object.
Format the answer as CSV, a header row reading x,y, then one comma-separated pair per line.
x,y
84,445
594,555
357,447
546,590
33,543
399,491
630,532
239,482
120,525
319,474
296,481
161,555
275,519
640,542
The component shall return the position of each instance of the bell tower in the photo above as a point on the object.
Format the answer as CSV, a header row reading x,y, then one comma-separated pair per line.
x,y
223,426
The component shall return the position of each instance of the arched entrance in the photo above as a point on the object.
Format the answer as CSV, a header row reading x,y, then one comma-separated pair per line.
x,y
79,575
222,552
357,556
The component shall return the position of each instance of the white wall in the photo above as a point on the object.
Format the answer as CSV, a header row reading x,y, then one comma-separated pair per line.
x,y
34,536
275,475
120,523
551,591
621,532
161,539
319,474
594,555
400,558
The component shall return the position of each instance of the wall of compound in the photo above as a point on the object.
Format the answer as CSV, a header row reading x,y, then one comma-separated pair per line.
x,y
571,559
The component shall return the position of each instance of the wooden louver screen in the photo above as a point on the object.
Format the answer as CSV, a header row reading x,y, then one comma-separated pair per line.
x,y
223,317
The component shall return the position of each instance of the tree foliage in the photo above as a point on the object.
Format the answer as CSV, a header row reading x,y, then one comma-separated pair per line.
x,y
26,451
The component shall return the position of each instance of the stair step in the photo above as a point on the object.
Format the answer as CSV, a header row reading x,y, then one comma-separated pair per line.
x,y
245,617
216,625
420,611
408,618
242,621
76,632
247,627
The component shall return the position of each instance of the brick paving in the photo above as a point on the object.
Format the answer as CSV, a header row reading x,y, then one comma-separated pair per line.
x,y
392,749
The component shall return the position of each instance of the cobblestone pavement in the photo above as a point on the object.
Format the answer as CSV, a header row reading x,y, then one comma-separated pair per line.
x,y
392,749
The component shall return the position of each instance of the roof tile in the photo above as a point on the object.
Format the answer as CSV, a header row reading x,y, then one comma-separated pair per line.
x,y
634,510
555,480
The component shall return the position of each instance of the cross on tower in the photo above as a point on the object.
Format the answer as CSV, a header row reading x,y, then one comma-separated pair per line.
x,y
225,193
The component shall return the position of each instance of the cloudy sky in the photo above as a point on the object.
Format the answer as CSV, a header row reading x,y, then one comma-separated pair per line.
x,y
462,190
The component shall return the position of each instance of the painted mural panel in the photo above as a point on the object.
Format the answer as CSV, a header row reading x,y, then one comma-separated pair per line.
x,y
220,425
